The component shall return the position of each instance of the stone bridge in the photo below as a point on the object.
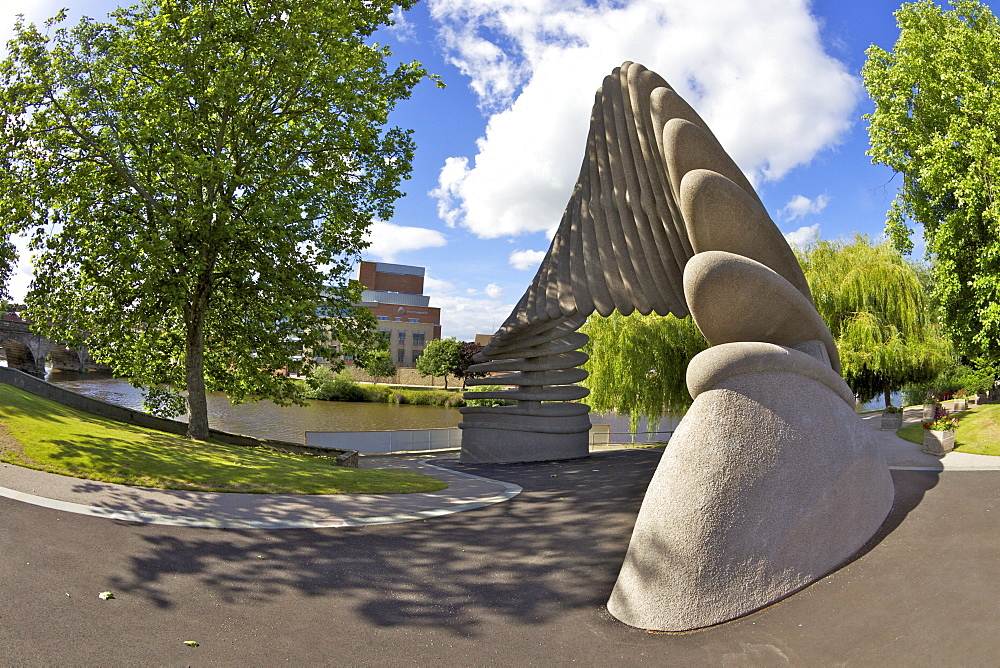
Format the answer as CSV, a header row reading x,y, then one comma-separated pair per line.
x,y
28,352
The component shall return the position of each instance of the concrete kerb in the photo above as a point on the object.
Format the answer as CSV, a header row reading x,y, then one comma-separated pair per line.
x,y
424,506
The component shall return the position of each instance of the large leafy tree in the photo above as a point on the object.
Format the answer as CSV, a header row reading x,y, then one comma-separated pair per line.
x,y
878,311
638,363
377,362
440,357
199,175
937,122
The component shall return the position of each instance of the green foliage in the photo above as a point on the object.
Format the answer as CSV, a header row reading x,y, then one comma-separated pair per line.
x,y
917,394
198,177
466,351
327,385
488,402
378,363
440,358
424,397
937,122
958,378
638,363
875,305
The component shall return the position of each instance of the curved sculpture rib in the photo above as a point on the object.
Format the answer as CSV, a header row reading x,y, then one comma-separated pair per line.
x,y
645,202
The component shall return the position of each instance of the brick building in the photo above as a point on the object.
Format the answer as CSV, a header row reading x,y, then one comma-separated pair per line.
x,y
394,293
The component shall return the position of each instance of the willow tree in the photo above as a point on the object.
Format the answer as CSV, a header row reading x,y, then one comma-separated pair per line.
x,y
199,176
638,363
877,309
937,122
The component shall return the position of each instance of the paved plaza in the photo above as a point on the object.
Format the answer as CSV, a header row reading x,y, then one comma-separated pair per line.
x,y
515,581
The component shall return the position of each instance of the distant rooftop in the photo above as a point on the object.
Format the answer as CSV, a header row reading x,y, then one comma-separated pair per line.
x,y
389,268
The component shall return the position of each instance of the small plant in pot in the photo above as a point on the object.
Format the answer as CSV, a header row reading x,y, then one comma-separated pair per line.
x,y
939,435
892,418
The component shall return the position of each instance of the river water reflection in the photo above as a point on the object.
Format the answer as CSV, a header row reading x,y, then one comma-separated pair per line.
x,y
264,419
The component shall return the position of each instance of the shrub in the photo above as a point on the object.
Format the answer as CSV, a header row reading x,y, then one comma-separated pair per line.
x,y
490,401
327,386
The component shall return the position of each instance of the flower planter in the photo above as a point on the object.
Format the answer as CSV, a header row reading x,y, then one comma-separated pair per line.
x,y
892,421
961,405
939,442
929,411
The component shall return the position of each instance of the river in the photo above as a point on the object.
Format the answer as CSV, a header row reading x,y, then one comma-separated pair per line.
x,y
265,419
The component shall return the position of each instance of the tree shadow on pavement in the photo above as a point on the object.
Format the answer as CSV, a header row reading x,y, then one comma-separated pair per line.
x,y
558,545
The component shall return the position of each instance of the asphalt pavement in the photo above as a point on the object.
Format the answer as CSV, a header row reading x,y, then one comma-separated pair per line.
x,y
522,581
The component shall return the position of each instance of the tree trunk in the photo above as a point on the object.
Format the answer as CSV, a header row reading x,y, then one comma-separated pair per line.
x,y
888,396
194,368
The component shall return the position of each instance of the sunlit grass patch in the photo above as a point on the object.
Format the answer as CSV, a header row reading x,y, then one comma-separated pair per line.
x,y
978,431
48,436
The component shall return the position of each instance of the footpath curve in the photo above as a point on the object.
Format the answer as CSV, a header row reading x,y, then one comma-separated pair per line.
x,y
218,510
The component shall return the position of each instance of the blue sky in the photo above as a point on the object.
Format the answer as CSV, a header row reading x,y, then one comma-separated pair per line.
x,y
498,149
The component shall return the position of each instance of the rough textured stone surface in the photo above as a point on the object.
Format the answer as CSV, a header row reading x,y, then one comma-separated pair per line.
x,y
939,442
769,483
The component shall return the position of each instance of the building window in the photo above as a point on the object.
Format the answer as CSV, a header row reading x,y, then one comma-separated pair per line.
x,y
384,335
413,320
402,338
399,356
416,355
399,320
418,338
382,317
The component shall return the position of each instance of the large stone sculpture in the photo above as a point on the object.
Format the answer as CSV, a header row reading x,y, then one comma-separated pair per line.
x,y
771,480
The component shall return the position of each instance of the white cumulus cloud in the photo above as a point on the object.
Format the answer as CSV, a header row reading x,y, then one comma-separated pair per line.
x,y
803,235
755,70
494,291
526,259
389,239
463,317
800,206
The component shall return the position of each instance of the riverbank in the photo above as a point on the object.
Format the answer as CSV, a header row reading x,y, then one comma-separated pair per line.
x,y
48,436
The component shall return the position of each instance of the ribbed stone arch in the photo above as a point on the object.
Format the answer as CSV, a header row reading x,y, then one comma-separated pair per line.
x,y
771,480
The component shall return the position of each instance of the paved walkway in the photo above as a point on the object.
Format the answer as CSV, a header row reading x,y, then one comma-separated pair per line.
x,y
275,511
256,511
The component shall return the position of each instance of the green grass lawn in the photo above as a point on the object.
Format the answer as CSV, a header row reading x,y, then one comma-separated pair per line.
x,y
41,434
978,431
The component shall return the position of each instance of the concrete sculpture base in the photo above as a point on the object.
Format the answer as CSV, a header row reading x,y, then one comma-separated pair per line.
x,y
769,483
503,446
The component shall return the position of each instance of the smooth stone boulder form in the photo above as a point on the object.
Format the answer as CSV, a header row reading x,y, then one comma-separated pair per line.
x,y
733,298
769,483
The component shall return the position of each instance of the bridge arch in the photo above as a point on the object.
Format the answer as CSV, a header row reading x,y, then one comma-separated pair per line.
x,y
21,357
